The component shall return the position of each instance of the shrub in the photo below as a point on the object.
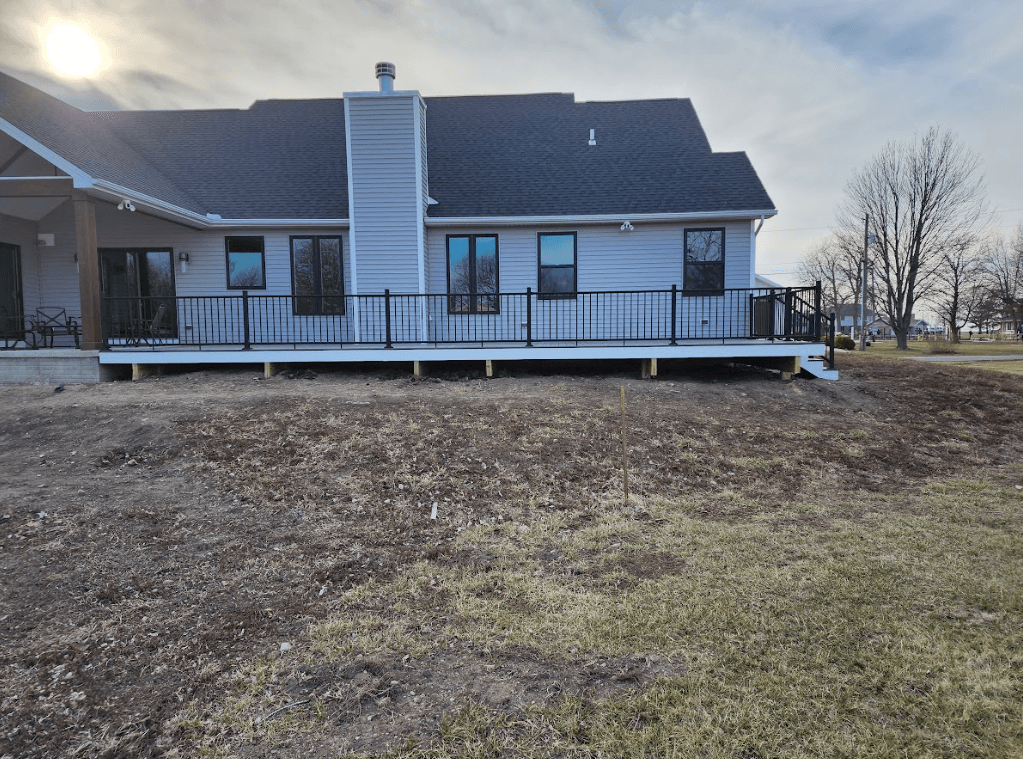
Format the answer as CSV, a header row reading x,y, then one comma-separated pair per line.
x,y
844,342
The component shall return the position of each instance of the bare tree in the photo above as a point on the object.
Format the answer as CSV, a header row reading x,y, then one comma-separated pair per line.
x,y
836,268
924,198
959,287
1004,264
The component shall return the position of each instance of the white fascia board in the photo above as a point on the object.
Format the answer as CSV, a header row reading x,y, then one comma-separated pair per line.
x,y
565,221
200,221
160,207
81,180
304,223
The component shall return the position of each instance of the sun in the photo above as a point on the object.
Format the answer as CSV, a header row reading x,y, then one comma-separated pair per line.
x,y
72,51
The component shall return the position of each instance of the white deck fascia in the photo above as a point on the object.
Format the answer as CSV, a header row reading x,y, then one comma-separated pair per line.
x,y
329,354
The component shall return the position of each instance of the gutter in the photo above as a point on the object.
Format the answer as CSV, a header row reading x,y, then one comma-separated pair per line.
x,y
509,221
198,220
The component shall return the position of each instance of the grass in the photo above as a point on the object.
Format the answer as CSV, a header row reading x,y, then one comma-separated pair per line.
x,y
818,620
1006,367
965,348
805,632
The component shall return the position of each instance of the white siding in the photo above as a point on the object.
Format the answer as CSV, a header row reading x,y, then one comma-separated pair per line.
x,y
608,259
385,210
205,278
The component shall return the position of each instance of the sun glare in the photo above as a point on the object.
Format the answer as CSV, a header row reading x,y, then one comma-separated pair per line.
x,y
72,51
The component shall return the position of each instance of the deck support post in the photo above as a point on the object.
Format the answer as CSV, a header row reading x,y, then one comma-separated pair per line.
x,y
87,249
490,368
139,371
790,368
418,369
648,368
271,369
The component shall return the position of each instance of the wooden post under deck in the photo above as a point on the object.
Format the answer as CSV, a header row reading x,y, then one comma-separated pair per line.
x,y
790,368
88,270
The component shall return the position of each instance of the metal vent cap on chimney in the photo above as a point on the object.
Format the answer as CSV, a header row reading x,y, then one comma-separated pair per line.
x,y
385,73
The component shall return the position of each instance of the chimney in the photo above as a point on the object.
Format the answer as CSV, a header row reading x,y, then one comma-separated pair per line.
x,y
385,73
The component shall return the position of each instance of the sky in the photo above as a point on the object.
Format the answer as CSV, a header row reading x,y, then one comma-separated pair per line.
x,y
810,90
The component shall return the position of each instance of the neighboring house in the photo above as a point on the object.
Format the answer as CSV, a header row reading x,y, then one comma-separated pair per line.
x,y
848,317
388,226
1009,321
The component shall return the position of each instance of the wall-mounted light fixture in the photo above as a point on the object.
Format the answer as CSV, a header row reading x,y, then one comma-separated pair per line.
x,y
44,240
627,226
125,204
78,265
183,259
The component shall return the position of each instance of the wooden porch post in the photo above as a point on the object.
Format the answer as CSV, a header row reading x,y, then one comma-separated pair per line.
x,y
88,270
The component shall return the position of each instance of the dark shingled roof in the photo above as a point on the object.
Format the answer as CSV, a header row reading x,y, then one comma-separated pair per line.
x,y
280,159
528,155
81,139
501,155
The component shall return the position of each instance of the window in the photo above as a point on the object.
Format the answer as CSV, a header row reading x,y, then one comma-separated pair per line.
x,y
557,263
317,275
246,268
137,282
472,269
704,261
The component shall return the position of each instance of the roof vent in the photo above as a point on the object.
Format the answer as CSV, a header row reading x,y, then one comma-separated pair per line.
x,y
385,73
593,137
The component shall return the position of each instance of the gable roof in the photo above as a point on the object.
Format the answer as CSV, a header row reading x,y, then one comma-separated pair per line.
x,y
81,140
488,156
528,155
279,159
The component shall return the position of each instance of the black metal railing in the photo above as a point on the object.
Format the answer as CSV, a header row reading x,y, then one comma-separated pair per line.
x,y
386,320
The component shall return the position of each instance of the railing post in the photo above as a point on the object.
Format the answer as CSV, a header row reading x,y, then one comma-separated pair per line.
x,y
831,340
817,311
104,327
674,314
529,317
245,318
788,312
387,316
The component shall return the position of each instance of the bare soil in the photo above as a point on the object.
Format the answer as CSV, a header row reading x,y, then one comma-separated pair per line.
x,y
141,524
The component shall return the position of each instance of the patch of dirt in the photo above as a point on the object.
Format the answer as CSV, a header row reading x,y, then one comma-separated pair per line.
x,y
153,534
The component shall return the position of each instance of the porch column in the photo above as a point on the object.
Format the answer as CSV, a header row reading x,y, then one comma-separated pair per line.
x,y
88,270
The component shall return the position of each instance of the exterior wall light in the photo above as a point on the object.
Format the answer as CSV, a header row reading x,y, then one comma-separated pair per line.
x,y
183,259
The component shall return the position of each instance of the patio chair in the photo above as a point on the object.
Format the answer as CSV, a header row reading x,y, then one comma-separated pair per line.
x,y
149,330
50,322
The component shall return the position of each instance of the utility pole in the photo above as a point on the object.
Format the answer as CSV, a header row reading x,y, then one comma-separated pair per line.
x,y
863,285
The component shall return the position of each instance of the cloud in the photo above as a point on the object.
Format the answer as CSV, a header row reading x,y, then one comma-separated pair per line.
x,y
810,90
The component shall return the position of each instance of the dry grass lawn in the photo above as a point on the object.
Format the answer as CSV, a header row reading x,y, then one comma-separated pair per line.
x,y
362,565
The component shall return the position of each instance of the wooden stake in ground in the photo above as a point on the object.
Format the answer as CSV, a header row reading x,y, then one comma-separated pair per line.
x,y
625,455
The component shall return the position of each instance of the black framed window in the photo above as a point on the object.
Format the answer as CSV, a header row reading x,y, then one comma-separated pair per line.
x,y
704,261
317,275
556,256
473,275
246,263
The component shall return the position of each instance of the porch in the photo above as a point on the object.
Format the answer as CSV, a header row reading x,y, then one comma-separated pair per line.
x,y
782,328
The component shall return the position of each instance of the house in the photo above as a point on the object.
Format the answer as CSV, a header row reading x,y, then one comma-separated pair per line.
x,y
385,226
